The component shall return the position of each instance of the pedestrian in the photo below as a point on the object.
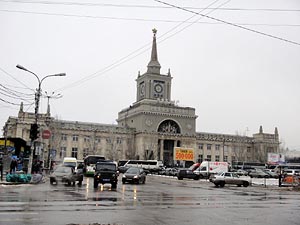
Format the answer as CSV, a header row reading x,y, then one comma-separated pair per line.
x,y
13,165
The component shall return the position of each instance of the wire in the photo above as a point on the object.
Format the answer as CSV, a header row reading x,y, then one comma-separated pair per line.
x,y
126,58
139,19
14,78
143,6
229,23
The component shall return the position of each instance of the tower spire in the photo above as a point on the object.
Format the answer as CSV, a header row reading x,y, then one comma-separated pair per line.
x,y
153,65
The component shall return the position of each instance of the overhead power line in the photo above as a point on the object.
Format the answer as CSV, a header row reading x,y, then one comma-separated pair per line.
x,y
142,6
229,23
132,55
142,19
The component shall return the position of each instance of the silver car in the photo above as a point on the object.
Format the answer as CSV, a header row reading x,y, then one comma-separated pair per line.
x,y
228,178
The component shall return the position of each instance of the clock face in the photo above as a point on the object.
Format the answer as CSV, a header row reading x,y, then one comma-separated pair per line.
x,y
158,88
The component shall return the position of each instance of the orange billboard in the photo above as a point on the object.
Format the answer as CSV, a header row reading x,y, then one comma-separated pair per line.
x,y
184,154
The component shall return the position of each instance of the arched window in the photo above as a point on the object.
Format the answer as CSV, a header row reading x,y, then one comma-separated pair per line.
x,y
169,126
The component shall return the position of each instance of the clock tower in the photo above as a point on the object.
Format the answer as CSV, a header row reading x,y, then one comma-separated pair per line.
x,y
152,84
158,124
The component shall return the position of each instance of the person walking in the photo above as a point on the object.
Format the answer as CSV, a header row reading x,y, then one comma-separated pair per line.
x,y
13,165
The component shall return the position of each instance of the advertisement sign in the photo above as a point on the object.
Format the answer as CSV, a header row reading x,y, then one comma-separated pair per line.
x,y
184,154
276,158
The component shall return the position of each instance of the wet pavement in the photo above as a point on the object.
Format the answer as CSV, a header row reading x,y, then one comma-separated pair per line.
x,y
161,200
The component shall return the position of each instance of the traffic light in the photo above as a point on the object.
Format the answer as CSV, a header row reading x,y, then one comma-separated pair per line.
x,y
34,131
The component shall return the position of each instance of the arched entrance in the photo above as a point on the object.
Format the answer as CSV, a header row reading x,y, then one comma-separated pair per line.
x,y
169,129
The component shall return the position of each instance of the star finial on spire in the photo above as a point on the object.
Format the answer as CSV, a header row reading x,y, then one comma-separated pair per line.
x,y
154,31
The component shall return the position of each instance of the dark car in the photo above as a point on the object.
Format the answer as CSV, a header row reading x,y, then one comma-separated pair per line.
x,y
106,172
65,174
189,173
134,175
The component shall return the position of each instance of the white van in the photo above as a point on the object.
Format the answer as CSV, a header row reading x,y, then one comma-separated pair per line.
x,y
150,165
70,161
207,168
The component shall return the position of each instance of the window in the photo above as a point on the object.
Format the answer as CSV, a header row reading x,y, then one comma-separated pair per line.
x,y
233,158
217,158
119,140
75,137
200,146
200,158
74,152
248,149
63,152
217,147
85,152
63,137
208,157
208,146
86,139
108,140
225,158
97,140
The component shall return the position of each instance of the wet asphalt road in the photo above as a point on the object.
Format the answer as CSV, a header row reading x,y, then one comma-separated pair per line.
x,y
161,200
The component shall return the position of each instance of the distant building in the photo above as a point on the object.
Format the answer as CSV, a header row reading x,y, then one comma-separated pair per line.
x,y
148,129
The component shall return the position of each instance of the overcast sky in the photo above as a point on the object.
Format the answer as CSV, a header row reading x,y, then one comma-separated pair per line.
x,y
237,77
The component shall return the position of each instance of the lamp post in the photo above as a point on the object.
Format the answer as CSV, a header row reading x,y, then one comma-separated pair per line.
x,y
37,101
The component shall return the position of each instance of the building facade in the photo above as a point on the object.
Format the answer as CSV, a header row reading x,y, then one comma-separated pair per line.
x,y
150,128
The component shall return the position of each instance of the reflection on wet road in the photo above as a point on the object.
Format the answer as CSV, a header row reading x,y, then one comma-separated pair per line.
x,y
159,201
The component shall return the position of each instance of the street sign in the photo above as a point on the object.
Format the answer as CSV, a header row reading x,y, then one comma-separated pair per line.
x,y
46,134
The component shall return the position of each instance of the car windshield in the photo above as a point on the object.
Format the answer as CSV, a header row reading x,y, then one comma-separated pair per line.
x,y
62,169
133,170
72,164
106,166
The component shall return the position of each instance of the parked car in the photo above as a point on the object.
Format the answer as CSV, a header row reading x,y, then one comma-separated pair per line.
x,y
258,173
228,178
271,173
134,175
241,172
171,171
189,173
123,169
66,174
106,172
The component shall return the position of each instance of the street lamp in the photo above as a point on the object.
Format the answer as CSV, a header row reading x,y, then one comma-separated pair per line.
x,y
37,98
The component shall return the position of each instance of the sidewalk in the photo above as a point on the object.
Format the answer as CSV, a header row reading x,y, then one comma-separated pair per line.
x,y
34,180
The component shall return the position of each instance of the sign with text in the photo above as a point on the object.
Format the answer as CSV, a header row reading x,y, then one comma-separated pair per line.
x,y
276,158
184,154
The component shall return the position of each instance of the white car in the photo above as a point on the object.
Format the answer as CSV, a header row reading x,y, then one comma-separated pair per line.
x,y
228,178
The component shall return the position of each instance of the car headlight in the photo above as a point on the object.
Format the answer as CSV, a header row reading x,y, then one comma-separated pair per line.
x,y
124,176
136,177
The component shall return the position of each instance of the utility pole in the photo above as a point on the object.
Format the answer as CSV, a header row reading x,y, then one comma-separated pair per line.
x,y
34,131
48,122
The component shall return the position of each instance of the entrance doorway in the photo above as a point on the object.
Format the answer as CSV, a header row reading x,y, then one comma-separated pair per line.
x,y
168,151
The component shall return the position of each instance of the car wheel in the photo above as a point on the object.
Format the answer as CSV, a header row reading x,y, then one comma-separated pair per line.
x,y
80,183
180,178
246,184
197,177
69,183
144,181
239,185
123,181
113,186
216,184
222,184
